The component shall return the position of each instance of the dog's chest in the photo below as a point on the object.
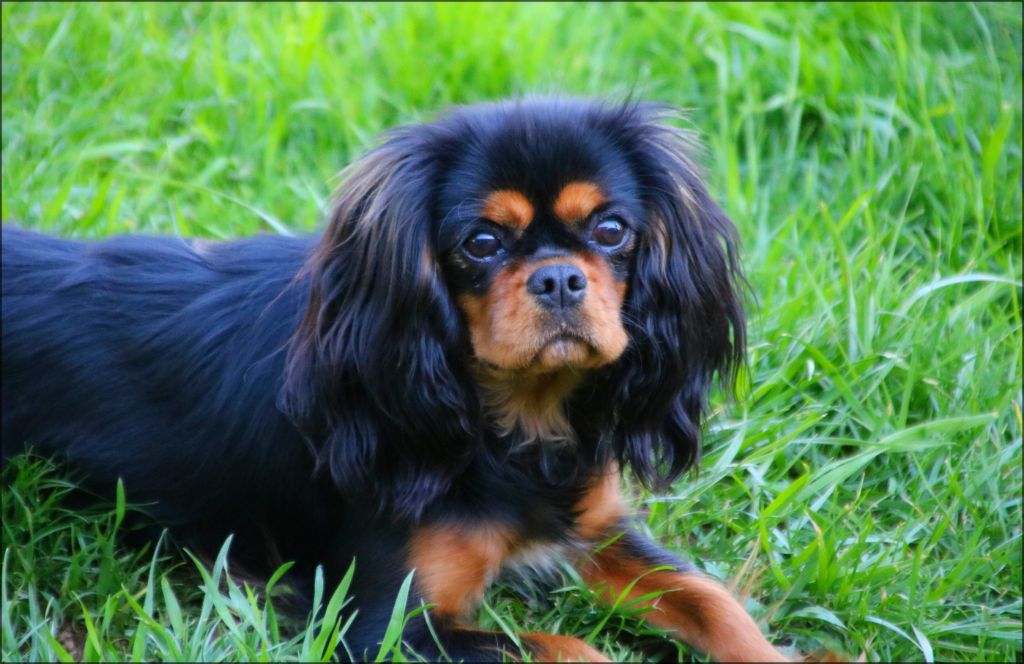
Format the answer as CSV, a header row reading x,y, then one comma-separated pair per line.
x,y
532,505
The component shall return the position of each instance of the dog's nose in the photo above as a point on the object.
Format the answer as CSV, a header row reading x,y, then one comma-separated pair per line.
x,y
560,286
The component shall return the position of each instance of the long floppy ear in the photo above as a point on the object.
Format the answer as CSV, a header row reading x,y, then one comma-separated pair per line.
x,y
683,312
369,376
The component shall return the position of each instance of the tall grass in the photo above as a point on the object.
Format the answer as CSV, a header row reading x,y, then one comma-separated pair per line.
x,y
866,486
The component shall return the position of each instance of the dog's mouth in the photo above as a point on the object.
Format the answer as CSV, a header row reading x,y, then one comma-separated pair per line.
x,y
565,348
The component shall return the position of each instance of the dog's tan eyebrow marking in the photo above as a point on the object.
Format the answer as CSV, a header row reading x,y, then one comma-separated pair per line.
x,y
577,201
508,207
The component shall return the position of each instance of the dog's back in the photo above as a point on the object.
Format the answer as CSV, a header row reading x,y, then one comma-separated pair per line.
x,y
138,355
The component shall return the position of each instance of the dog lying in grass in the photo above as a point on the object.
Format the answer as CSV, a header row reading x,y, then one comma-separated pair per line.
x,y
509,307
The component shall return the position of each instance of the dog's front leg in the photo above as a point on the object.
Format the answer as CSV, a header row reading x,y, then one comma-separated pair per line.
x,y
697,609
454,563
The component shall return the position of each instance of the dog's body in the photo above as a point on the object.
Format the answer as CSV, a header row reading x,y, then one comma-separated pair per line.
x,y
134,355
507,307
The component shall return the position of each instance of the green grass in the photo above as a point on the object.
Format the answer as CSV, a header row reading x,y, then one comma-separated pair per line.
x,y
865,489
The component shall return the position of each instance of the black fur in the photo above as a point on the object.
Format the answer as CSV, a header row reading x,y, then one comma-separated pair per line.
x,y
313,396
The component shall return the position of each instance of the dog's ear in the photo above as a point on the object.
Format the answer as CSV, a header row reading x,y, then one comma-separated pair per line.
x,y
369,376
683,312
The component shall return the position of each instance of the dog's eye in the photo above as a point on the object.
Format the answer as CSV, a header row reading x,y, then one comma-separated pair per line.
x,y
482,245
610,233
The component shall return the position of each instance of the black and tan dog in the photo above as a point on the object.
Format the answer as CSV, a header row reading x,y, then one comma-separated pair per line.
x,y
508,307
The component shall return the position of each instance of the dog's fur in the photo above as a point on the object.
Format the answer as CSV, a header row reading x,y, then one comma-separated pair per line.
x,y
382,392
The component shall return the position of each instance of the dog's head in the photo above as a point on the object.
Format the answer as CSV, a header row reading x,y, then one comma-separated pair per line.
x,y
515,268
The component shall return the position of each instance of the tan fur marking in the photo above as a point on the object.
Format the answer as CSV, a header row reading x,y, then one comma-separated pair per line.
x,y
529,402
508,208
603,306
523,377
556,648
601,507
507,325
698,609
577,200
454,565
504,323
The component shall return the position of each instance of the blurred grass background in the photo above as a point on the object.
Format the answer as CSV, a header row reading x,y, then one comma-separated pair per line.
x,y
865,490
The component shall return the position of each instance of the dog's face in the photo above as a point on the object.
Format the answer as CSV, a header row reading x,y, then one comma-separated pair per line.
x,y
537,239
537,227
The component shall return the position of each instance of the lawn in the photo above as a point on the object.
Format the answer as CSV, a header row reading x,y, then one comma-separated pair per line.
x,y
864,489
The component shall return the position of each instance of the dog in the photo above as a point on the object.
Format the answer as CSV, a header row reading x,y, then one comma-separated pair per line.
x,y
509,307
